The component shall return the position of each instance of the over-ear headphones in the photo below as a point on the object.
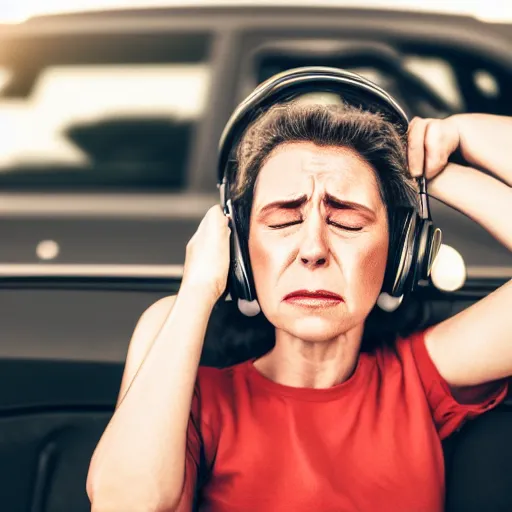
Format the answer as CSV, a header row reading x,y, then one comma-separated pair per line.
x,y
414,240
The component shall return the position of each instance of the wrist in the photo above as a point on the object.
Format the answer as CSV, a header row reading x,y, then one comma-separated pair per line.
x,y
198,294
460,122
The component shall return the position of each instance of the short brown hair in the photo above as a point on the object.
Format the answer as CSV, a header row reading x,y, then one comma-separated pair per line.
x,y
377,140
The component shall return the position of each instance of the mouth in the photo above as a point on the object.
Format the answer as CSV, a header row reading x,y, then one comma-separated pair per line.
x,y
314,298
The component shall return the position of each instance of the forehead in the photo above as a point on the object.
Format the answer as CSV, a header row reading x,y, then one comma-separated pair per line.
x,y
303,167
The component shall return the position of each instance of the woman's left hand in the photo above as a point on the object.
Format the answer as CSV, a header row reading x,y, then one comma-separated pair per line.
x,y
430,144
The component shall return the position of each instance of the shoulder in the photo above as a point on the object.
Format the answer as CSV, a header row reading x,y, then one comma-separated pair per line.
x,y
148,326
403,346
408,355
220,380
218,392
143,337
153,318
218,383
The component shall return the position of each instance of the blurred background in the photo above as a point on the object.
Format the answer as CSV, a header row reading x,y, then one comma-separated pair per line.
x,y
110,111
110,115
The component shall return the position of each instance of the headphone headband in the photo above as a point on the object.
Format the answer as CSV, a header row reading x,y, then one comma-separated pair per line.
x,y
352,88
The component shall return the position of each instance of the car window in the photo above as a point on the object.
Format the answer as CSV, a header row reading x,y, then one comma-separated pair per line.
x,y
427,81
111,125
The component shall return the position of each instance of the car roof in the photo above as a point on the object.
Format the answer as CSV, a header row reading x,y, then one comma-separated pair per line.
x,y
490,11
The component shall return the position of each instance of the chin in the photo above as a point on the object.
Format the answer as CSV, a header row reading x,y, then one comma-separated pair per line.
x,y
315,329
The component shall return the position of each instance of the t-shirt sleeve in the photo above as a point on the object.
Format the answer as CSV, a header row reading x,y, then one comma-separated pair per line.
x,y
450,413
192,454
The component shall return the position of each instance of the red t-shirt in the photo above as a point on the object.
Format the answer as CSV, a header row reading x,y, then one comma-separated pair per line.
x,y
370,443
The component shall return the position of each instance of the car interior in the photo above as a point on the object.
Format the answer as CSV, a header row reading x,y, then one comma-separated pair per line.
x,y
65,331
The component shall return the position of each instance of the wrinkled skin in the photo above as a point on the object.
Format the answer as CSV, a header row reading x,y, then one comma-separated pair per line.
x,y
316,347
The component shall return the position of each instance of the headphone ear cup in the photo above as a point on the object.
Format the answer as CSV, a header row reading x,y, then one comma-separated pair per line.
x,y
434,247
401,251
421,258
240,280
429,243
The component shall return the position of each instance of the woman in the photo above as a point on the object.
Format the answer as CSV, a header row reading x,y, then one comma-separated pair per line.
x,y
315,423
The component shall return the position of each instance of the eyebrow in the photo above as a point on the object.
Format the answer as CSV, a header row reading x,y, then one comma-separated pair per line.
x,y
340,204
329,200
287,204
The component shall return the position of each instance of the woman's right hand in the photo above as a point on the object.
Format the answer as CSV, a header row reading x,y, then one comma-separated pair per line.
x,y
207,255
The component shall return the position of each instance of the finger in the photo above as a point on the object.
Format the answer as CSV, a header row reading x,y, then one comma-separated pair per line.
x,y
434,154
416,145
440,142
215,211
214,217
204,224
218,213
219,223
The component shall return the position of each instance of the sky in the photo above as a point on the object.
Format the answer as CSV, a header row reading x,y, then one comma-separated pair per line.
x,y
13,11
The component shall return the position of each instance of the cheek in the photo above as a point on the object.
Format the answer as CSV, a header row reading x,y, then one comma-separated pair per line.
x,y
362,265
368,268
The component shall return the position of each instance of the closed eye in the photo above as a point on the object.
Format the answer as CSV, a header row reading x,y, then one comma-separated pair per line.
x,y
335,224
346,228
279,226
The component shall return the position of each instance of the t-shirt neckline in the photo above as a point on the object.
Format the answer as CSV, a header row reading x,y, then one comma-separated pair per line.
x,y
309,394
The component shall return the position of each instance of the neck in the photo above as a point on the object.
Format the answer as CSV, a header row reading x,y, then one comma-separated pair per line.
x,y
311,364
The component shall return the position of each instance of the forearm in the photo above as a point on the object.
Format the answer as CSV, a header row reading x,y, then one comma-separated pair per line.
x,y
140,459
486,142
481,197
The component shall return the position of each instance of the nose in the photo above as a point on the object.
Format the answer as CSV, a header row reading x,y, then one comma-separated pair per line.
x,y
313,250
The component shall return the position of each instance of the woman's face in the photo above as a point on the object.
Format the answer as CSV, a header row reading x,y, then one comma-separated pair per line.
x,y
317,223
